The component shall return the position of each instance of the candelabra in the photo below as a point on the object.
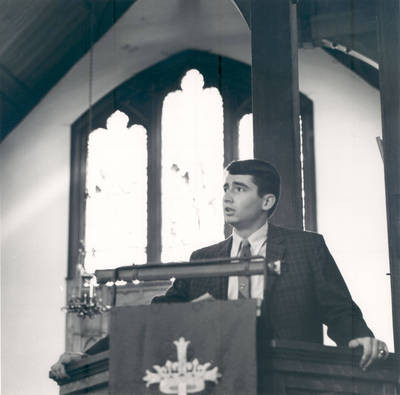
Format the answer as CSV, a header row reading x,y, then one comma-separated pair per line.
x,y
86,304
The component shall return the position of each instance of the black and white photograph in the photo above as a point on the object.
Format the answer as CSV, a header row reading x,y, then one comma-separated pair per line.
x,y
200,197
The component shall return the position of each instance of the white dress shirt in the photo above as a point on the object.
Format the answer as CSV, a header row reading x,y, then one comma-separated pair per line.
x,y
258,246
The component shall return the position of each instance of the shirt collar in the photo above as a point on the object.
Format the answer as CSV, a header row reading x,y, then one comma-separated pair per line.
x,y
256,240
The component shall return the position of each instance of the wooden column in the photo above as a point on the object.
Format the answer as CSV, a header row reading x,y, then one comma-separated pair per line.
x,y
231,136
389,80
154,181
275,94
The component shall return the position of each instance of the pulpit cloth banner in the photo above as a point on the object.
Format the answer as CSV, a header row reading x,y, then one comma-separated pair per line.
x,y
219,360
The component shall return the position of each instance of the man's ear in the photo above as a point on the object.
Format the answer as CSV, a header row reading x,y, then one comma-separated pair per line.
x,y
268,201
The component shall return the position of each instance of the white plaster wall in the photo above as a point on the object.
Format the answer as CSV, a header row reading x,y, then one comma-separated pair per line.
x,y
34,170
350,182
34,185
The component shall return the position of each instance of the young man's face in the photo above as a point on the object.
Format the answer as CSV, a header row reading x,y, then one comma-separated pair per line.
x,y
243,207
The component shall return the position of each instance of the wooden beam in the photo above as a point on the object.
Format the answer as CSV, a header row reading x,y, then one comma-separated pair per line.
x,y
310,198
342,23
389,70
364,70
275,94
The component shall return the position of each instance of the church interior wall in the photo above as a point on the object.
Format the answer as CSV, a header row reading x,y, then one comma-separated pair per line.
x,y
351,210
35,183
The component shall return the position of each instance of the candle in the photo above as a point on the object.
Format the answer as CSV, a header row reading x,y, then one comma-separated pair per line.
x,y
91,288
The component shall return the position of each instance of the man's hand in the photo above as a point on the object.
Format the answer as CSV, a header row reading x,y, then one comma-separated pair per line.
x,y
373,349
57,371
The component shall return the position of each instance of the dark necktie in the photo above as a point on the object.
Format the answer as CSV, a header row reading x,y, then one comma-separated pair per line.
x,y
244,281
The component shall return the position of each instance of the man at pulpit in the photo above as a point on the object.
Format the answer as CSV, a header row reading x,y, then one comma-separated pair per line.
x,y
307,292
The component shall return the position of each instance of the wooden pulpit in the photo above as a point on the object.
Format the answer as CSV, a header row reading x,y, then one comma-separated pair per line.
x,y
213,347
288,368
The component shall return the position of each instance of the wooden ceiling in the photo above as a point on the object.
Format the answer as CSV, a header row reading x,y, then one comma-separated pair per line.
x,y
42,39
351,23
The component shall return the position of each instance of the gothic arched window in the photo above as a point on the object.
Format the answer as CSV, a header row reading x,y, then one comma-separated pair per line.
x,y
116,195
165,186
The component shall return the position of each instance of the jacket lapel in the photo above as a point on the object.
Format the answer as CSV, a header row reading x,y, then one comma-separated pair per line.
x,y
223,252
225,248
275,252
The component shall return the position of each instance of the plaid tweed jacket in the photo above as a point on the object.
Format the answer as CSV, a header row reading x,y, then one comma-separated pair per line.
x,y
309,291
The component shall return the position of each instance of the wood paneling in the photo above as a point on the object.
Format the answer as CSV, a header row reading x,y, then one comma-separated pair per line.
x,y
40,42
284,368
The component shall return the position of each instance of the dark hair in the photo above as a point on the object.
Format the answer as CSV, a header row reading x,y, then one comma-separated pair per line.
x,y
265,176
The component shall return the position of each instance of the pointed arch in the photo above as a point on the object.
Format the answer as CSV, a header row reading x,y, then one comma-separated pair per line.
x,y
141,99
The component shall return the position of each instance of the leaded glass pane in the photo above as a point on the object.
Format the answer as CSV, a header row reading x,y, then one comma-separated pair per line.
x,y
116,204
192,168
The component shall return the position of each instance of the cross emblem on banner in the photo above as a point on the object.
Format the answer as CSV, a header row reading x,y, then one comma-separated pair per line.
x,y
181,377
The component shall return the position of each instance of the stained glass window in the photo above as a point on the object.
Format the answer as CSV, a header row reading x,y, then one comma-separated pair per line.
x,y
192,168
116,189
